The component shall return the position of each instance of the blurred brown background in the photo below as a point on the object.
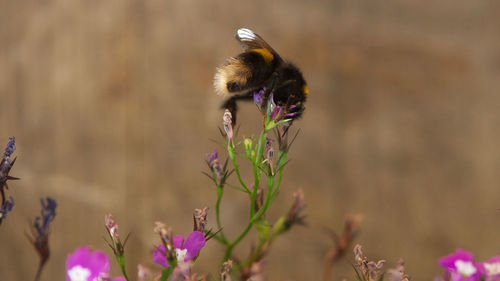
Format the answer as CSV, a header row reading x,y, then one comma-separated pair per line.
x,y
112,107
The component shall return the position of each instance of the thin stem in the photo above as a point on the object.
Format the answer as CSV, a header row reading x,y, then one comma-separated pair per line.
x,y
270,197
39,271
232,156
280,173
237,188
256,170
121,261
256,217
220,192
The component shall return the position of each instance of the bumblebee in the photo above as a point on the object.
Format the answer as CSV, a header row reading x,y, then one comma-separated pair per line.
x,y
260,67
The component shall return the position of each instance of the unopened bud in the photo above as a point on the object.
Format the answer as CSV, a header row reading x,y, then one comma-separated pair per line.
x,y
226,271
200,219
213,162
270,154
111,226
143,273
164,231
227,119
248,144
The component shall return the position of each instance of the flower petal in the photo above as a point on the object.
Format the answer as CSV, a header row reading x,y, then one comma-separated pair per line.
x,y
194,242
98,263
448,262
78,257
159,256
491,268
177,240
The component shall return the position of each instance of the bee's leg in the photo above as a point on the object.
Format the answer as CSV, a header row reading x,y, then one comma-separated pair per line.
x,y
231,103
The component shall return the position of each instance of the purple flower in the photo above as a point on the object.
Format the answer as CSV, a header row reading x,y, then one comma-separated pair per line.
x,y
40,229
258,96
490,269
87,265
277,113
185,250
48,214
211,157
460,266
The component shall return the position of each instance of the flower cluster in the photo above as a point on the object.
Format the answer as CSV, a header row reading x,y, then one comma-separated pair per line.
x,y
40,227
219,173
40,231
370,270
5,166
460,266
177,253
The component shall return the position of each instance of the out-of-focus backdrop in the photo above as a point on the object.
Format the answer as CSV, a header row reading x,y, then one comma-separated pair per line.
x,y
112,107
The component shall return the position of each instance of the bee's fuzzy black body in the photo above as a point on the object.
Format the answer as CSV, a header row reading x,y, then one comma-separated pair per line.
x,y
258,67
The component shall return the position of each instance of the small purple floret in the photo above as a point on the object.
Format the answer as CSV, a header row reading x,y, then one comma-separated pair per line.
x,y
258,96
10,148
277,113
48,213
212,156
6,208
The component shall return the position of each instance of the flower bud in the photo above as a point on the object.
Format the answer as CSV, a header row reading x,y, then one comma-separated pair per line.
x,y
227,119
200,219
248,144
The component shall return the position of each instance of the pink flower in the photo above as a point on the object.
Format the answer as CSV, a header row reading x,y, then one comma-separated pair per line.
x,y
185,250
490,269
87,265
460,266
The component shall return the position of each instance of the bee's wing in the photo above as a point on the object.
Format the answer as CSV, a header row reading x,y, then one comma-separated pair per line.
x,y
250,40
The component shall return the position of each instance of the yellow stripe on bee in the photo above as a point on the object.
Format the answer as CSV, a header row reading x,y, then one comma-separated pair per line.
x,y
305,90
268,56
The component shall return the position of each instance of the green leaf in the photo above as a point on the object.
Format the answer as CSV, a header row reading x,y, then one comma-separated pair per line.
x,y
238,188
357,273
166,273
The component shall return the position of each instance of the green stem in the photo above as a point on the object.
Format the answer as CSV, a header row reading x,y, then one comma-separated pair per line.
x,y
220,192
121,261
282,162
254,218
271,194
256,170
232,156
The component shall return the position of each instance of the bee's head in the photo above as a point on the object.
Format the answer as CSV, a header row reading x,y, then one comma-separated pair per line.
x,y
233,86
231,77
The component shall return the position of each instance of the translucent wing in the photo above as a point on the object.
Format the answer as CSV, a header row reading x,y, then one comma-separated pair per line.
x,y
250,40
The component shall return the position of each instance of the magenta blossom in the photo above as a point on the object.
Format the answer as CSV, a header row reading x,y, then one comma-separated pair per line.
x,y
87,265
185,250
460,266
490,269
